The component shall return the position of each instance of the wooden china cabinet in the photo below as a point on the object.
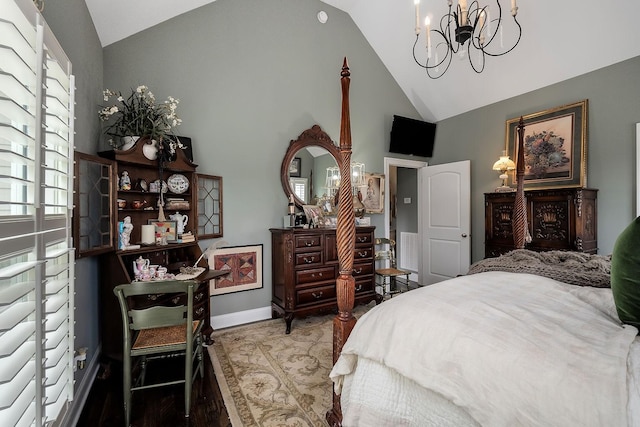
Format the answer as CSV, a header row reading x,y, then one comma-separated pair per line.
x,y
117,266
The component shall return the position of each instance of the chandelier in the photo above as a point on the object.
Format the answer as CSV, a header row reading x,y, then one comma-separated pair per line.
x,y
464,31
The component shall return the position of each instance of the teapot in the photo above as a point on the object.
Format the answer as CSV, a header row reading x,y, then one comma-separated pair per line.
x,y
139,265
181,221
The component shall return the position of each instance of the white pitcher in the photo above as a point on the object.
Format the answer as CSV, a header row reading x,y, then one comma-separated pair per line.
x,y
138,265
181,221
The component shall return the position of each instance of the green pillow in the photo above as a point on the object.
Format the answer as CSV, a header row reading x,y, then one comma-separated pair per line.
x,y
625,274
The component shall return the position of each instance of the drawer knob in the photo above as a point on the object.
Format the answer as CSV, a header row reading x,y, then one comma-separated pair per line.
x,y
314,275
200,311
358,271
358,288
362,239
176,300
363,254
309,260
308,243
199,296
317,295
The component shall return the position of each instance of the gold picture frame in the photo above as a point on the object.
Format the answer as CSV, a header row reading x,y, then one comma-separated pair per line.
x,y
373,193
555,146
244,264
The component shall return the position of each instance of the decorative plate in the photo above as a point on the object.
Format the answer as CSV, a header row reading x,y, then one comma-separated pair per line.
x,y
178,183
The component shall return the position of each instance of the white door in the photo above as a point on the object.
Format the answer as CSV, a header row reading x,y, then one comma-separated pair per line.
x,y
446,221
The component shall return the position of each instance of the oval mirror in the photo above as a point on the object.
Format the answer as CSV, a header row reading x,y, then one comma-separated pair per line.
x,y
304,167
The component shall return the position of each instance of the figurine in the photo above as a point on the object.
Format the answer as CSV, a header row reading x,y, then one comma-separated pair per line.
x,y
125,235
125,181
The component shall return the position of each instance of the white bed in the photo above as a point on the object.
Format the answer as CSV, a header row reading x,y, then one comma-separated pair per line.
x,y
492,349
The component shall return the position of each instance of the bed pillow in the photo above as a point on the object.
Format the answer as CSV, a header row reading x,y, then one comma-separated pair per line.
x,y
625,274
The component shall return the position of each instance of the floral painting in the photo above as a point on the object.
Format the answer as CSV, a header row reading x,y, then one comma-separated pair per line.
x,y
554,146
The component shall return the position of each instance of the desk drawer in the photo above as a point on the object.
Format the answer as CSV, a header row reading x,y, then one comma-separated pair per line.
x,y
363,239
316,294
315,275
309,259
364,285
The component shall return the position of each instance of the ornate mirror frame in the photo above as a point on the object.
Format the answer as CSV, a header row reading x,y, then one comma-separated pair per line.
x,y
312,137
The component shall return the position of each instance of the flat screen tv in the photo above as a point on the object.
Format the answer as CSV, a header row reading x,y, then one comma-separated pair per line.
x,y
411,136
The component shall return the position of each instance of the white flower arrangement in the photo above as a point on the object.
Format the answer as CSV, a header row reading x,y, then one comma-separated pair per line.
x,y
138,115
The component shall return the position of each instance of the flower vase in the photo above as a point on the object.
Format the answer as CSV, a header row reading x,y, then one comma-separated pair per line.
x,y
128,142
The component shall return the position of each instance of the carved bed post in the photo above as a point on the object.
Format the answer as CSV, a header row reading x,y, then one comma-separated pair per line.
x,y
519,220
344,321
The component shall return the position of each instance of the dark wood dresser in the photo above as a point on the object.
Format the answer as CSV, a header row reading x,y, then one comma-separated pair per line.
x,y
305,268
558,219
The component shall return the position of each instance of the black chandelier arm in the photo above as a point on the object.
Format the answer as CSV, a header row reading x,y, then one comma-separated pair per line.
x,y
428,67
512,47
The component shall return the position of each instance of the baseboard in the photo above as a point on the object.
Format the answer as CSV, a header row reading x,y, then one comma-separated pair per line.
x,y
80,395
240,318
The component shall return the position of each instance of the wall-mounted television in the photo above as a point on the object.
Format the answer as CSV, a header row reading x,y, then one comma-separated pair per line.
x,y
411,136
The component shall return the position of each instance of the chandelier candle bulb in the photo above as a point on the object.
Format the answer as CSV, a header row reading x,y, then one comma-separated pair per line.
x,y
463,11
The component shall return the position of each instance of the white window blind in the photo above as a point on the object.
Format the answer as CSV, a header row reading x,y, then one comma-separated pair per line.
x,y
36,257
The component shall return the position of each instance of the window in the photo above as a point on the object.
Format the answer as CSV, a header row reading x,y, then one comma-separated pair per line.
x,y
299,187
36,258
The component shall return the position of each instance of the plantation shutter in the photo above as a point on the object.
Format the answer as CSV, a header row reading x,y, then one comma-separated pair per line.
x,y
36,256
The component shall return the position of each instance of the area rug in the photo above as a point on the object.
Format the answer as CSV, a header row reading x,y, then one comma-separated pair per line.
x,y
268,378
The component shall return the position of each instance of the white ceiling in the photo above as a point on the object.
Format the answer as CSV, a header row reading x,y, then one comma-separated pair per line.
x,y
561,39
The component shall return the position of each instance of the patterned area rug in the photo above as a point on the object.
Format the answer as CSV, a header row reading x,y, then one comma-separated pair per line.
x,y
268,378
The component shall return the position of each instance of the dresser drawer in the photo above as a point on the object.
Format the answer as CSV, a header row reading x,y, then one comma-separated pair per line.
x,y
362,269
316,294
199,311
309,258
315,275
363,239
365,285
308,242
362,253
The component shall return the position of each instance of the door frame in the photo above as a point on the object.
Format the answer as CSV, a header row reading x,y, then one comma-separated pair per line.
x,y
410,164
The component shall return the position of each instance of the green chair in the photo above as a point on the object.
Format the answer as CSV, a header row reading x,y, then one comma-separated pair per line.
x,y
160,330
386,275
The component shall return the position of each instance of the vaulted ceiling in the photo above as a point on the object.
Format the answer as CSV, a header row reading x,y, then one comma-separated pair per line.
x,y
560,40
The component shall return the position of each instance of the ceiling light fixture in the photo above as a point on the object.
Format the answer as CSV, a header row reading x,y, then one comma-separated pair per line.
x,y
465,31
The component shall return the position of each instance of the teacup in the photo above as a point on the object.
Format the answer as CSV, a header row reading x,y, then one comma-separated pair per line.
x,y
161,272
122,203
138,204
153,269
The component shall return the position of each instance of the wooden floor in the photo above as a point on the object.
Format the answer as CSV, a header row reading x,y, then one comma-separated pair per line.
x,y
163,406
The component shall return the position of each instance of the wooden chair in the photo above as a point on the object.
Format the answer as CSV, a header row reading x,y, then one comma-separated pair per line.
x,y
157,331
386,275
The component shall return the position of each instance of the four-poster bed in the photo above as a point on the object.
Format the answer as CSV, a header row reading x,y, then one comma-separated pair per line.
x,y
489,348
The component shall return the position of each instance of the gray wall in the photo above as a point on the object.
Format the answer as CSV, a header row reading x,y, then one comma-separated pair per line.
x,y
80,43
251,76
614,108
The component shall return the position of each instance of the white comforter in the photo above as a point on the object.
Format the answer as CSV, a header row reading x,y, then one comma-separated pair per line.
x,y
510,349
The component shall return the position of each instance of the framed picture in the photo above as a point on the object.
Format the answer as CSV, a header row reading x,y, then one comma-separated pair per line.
x,y
555,146
244,264
165,230
295,167
373,193
314,215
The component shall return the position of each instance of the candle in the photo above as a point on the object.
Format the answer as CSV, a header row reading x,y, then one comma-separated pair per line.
x,y
427,24
514,8
480,24
417,3
463,11
148,234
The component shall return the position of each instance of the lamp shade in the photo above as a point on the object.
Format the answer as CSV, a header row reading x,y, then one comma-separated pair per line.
x,y
504,164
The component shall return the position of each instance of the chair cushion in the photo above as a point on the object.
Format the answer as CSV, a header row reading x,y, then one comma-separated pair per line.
x,y
160,337
625,274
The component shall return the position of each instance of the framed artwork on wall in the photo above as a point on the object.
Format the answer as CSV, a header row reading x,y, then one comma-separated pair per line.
x,y
244,264
295,167
373,193
555,146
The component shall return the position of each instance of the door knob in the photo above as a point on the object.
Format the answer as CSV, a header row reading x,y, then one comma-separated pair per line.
x,y
464,234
